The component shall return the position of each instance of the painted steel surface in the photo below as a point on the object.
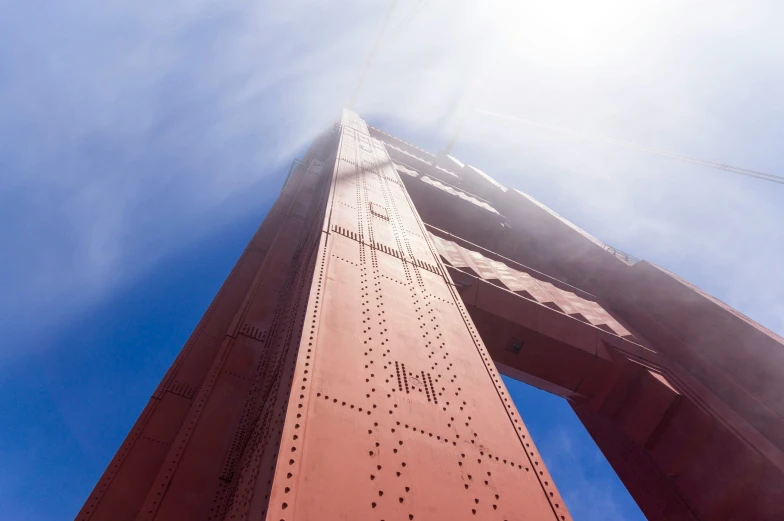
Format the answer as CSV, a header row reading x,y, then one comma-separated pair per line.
x,y
531,287
397,411
206,444
337,375
690,420
344,371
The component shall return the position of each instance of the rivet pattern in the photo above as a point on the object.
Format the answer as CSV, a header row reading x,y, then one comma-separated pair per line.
x,y
400,375
350,382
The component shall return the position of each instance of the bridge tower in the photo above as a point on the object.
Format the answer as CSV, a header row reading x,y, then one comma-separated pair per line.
x,y
349,367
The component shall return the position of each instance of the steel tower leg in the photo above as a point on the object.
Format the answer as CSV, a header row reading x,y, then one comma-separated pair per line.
x,y
336,376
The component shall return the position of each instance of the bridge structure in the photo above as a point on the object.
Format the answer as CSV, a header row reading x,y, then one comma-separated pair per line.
x,y
349,367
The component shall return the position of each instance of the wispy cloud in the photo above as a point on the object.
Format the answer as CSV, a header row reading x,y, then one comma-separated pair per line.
x,y
130,129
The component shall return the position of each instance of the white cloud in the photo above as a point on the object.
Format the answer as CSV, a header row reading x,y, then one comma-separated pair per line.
x,y
130,129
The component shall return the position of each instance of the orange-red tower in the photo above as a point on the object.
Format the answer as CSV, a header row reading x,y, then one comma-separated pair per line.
x,y
349,366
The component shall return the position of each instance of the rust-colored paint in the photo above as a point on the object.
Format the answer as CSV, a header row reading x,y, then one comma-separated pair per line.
x,y
679,391
349,366
397,410
338,377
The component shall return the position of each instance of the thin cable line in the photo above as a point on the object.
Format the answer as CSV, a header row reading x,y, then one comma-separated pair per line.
x,y
695,160
372,55
417,9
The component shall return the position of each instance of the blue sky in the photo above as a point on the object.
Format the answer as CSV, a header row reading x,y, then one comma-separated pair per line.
x,y
141,144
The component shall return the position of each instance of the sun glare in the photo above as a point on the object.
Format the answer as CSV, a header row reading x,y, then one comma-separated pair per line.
x,y
571,33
